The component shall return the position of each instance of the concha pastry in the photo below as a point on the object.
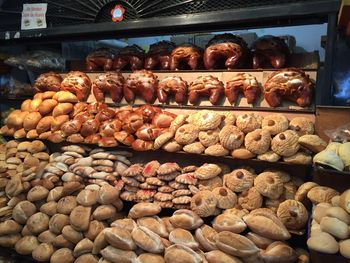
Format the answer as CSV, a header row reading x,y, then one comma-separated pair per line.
x,y
231,137
275,123
204,203
293,214
302,126
226,198
248,122
216,150
258,141
250,199
285,143
269,156
209,137
226,222
186,134
195,147
205,120
207,171
239,180
269,184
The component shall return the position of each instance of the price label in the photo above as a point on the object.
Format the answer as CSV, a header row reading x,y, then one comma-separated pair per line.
x,y
34,16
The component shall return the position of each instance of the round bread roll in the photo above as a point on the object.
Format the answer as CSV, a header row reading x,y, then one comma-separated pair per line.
x,y
119,238
344,200
26,245
80,218
9,240
324,243
34,104
335,227
37,193
25,106
58,121
225,222
47,106
43,252
269,184
44,124
16,118
22,211
87,258
279,252
293,214
111,254
84,246
344,248
321,194
37,223
9,227
320,211
62,109
338,212
144,209
62,255
31,121
179,253
71,234
57,222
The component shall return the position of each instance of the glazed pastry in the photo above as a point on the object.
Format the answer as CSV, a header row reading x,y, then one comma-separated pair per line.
x,y
275,123
239,180
205,86
285,143
245,83
258,141
231,137
172,85
163,119
141,82
302,126
78,83
226,51
158,55
186,56
129,57
270,51
49,81
291,84
110,82
248,122
100,58
148,112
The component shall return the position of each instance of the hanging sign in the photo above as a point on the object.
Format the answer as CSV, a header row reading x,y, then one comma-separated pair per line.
x,y
34,16
117,13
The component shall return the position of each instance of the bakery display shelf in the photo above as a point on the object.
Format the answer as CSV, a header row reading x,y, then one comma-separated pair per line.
x,y
302,171
223,103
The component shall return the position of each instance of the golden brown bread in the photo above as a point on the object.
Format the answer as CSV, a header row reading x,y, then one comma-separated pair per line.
x,y
47,106
62,109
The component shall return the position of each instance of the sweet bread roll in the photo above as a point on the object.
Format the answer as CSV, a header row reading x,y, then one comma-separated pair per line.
x,y
335,227
323,242
62,109
65,96
44,124
25,106
58,121
31,120
48,95
293,214
43,252
26,245
32,134
19,134
34,105
15,119
47,106
62,255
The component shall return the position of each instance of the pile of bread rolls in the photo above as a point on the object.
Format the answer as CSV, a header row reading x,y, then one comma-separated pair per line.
x,y
336,156
330,221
